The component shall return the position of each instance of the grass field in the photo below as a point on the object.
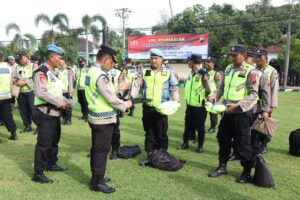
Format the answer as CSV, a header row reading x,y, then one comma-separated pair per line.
x,y
134,182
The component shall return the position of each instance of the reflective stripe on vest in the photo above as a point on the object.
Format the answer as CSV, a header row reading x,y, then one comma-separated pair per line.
x,y
154,82
25,72
99,108
5,82
211,80
268,71
194,90
54,87
80,76
235,83
63,77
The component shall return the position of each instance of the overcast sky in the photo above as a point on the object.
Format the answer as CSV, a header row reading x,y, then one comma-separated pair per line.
x,y
143,13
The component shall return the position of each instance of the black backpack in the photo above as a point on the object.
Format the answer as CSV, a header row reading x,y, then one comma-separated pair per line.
x,y
262,176
161,159
128,151
295,142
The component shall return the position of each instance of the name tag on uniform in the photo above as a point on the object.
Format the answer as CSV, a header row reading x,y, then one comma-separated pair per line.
x,y
227,72
87,80
243,73
52,78
148,73
164,73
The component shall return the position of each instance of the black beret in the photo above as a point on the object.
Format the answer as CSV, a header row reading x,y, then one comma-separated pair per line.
x,y
107,50
239,48
262,52
251,54
196,58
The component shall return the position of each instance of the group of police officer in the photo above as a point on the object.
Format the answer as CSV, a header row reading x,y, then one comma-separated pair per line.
x,y
104,92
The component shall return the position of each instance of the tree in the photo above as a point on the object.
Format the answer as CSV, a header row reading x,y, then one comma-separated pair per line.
x,y
89,27
20,40
60,20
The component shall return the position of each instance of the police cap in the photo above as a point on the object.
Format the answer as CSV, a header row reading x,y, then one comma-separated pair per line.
x,y
211,59
262,52
107,50
251,54
20,54
156,52
55,49
196,58
10,58
80,59
236,49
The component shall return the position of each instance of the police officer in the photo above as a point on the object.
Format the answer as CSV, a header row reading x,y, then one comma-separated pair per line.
x,y
6,80
196,90
214,78
66,76
13,65
114,75
130,72
48,102
272,79
240,92
103,104
80,73
25,71
159,84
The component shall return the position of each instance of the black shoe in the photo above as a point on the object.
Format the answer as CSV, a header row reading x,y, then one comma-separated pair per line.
x,y
183,146
55,168
199,149
13,136
68,122
63,122
114,155
218,171
211,130
41,178
234,157
264,149
102,188
27,129
1,123
245,177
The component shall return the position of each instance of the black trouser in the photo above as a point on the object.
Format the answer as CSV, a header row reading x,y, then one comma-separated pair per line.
x,y
26,106
101,141
46,148
156,127
237,127
115,142
66,114
213,120
6,115
83,103
194,119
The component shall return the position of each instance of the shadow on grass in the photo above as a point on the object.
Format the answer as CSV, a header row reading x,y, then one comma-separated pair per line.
x,y
281,151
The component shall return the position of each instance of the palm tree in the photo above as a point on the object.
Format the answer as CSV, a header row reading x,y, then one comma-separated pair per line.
x,y
60,20
20,40
89,27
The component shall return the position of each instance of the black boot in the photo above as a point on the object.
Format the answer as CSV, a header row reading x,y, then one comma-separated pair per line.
x,y
183,146
218,171
68,122
234,157
245,177
41,178
199,149
114,154
1,123
27,129
55,168
13,136
99,185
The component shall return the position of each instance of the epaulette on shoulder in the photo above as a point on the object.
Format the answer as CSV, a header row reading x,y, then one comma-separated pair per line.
x,y
43,69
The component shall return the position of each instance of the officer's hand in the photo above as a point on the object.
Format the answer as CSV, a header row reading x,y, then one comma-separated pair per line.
x,y
70,94
21,82
128,104
231,107
204,78
212,98
271,110
123,86
265,115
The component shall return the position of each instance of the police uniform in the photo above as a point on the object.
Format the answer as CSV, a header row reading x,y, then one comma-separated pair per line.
x,y
26,95
48,102
114,75
102,106
271,75
214,79
66,77
197,88
159,85
239,89
80,73
6,79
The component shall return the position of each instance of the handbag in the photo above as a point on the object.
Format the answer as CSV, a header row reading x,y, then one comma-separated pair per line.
x,y
267,127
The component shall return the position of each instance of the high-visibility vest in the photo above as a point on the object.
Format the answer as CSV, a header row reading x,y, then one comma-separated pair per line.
x,y
235,82
194,90
63,77
154,85
131,73
54,86
80,76
268,71
98,107
114,75
5,82
211,80
26,72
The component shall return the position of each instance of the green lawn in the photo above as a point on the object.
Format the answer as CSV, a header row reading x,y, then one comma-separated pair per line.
x,y
134,182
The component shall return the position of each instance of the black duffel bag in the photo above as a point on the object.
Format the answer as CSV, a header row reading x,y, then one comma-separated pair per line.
x,y
262,176
161,159
294,140
128,151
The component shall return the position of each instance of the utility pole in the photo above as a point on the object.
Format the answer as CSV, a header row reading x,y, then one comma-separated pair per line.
x,y
170,4
288,46
123,13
